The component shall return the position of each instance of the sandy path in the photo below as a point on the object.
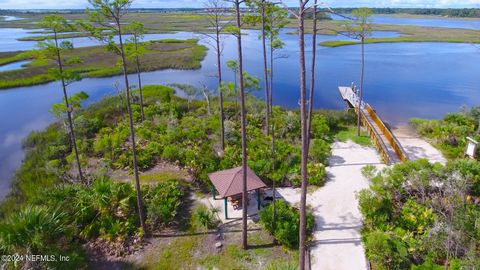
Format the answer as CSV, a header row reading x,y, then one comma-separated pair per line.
x,y
338,243
337,239
416,147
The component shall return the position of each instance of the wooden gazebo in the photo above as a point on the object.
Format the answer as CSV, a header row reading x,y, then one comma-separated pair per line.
x,y
229,185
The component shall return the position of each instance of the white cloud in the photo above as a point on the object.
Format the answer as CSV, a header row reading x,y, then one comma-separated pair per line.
x,y
65,4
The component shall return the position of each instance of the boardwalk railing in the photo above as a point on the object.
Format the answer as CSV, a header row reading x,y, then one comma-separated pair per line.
x,y
388,134
376,138
376,128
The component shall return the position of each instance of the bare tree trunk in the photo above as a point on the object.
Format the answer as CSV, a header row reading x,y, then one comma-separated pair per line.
x,y
274,218
207,99
219,67
303,117
236,90
132,133
361,85
265,70
243,126
137,62
312,79
270,103
67,106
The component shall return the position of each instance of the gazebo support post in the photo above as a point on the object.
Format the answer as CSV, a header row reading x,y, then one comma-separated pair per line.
x,y
258,199
213,193
226,208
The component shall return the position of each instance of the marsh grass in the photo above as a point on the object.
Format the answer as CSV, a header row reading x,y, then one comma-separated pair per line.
x,y
410,33
172,22
97,62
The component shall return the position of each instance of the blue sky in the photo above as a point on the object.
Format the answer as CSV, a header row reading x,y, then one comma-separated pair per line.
x,y
49,4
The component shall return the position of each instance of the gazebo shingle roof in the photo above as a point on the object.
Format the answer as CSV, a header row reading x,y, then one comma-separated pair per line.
x,y
230,182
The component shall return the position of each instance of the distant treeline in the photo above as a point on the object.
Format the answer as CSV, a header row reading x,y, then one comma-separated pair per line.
x,y
450,12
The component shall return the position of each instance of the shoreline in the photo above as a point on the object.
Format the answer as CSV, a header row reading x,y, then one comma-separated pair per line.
x,y
186,54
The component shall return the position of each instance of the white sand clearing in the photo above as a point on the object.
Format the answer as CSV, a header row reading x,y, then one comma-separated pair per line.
x,y
416,147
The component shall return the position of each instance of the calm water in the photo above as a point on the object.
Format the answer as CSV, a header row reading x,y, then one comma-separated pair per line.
x,y
14,65
11,18
431,21
403,80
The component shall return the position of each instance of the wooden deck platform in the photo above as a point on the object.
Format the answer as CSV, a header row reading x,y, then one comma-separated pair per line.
x,y
385,141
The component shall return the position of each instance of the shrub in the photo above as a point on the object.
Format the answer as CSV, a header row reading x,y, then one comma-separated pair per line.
x,y
449,134
320,150
34,229
386,251
162,202
316,174
106,210
39,230
377,210
203,217
172,152
320,127
287,223
469,169
415,217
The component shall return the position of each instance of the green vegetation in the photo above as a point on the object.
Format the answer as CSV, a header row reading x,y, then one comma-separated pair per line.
x,y
95,62
190,252
408,33
168,22
46,37
204,218
102,214
453,39
155,22
71,214
422,216
350,133
450,134
287,223
10,57
446,12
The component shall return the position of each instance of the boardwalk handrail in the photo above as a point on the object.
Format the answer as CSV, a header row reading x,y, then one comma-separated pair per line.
x,y
378,131
388,134
380,144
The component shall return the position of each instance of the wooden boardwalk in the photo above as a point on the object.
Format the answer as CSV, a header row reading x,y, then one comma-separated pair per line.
x,y
385,141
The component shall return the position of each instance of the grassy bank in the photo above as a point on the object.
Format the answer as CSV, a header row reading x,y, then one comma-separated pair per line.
x,y
10,57
412,34
168,22
47,36
154,22
401,39
96,62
